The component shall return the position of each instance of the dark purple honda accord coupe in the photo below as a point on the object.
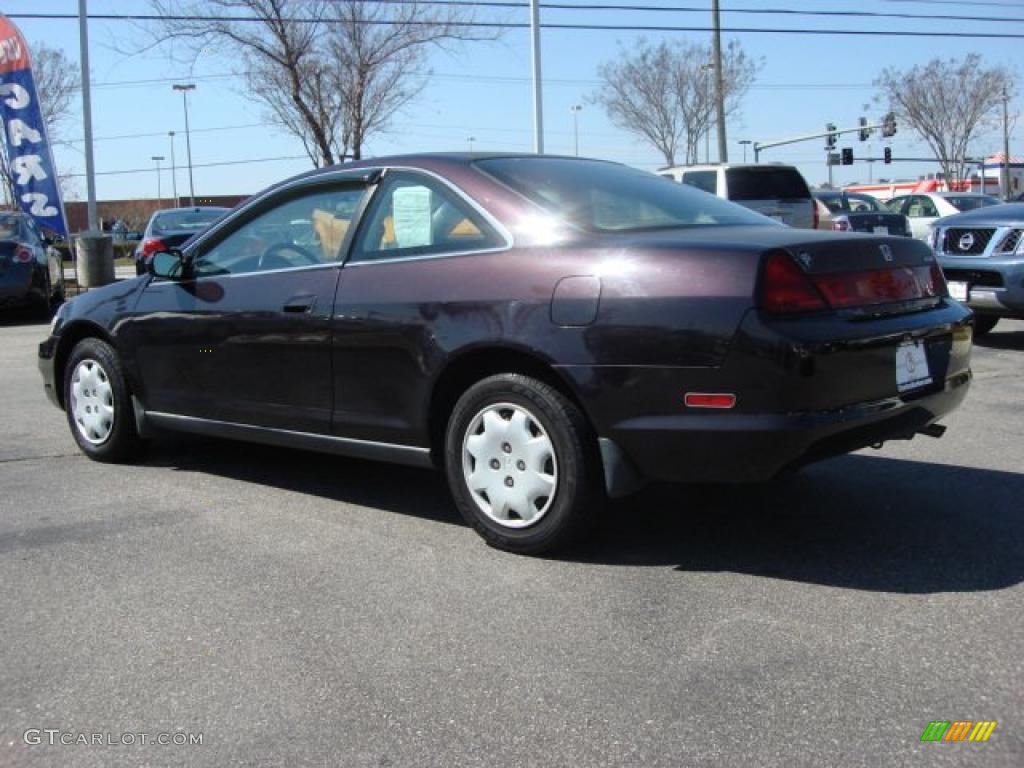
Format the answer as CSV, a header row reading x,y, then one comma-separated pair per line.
x,y
547,330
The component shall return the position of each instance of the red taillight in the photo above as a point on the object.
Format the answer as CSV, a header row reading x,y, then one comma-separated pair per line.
x,y
152,245
785,288
23,255
938,281
878,286
709,400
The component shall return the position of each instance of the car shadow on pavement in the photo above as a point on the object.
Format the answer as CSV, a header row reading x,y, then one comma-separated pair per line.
x,y
858,522
1008,340
21,316
395,488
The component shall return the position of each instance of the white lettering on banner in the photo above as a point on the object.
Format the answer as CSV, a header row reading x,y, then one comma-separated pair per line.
x,y
21,97
39,204
20,131
28,167
10,49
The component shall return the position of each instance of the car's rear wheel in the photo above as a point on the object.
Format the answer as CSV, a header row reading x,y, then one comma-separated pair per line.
x,y
522,464
984,323
98,403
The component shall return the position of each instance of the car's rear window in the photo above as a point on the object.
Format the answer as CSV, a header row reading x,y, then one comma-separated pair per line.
x,y
970,202
766,184
607,197
9,228
177,221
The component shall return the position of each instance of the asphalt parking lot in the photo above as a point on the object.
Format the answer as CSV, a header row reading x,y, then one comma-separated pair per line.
x,y
297,609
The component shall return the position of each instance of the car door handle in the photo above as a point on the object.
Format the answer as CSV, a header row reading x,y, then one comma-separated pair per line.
x,y
300,304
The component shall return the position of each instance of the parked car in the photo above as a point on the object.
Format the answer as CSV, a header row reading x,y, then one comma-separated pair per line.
x,y
31,274
982,254
775,190
546,329
170,228
858,212
923,209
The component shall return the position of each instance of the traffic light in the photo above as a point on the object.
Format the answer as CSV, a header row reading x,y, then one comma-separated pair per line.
x,y
887,155
865,132
847,155
889,125
830,138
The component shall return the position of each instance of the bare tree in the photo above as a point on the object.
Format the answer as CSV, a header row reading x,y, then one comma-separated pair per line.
x,y
664,93
946,102
331,72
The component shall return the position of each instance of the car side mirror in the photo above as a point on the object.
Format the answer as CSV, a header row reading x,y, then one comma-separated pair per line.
x,y
168,264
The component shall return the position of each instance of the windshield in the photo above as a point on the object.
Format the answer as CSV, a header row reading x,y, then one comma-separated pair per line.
x,y
970,202
9,228
606,197
191,221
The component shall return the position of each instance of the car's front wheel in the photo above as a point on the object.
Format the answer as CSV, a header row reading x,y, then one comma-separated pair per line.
x,y
522,464
98,404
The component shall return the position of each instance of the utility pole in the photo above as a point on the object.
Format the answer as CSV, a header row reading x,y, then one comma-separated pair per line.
x,y
538,105
708,70
185,88
90,168
1006,146
723,152
174,172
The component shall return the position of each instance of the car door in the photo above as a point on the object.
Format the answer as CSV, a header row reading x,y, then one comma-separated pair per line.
x,y
402,302
920,212
246,338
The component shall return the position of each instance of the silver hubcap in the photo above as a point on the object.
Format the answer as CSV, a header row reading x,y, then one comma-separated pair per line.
x,y
509,464
92,401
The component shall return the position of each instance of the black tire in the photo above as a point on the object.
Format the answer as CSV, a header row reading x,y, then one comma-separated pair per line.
x,y
984,323
574,462
120,441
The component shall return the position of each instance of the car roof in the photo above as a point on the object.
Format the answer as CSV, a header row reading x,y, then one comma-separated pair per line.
x,y
191,208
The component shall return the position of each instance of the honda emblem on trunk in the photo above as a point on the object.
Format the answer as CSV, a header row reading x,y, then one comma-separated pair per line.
x,y
966,241
886,252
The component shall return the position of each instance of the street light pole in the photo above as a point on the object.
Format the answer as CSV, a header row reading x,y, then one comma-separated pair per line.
x,y
90,167
1005,175
538,100
174,172
743,143
707,69
158,158
471,139
575,109
185,88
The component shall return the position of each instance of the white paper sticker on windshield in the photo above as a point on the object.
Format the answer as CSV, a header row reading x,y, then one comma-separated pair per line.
x,y
412,208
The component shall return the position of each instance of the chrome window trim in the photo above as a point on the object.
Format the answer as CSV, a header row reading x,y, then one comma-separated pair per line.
x,y
496,225
160,282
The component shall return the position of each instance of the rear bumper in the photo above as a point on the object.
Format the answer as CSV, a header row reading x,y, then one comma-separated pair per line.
x,y
737,447
996,284
805,389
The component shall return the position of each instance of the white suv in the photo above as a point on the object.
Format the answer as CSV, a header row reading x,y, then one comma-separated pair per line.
x,y
775,190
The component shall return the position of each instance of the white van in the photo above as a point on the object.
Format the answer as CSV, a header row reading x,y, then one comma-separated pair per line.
x,y
775,190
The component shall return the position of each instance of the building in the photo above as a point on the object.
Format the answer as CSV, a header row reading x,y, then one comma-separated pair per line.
x,y
135,213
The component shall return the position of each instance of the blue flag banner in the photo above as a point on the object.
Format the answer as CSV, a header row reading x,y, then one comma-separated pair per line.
x,y
29,160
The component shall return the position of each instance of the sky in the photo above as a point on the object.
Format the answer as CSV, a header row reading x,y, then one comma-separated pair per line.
x,y
483,90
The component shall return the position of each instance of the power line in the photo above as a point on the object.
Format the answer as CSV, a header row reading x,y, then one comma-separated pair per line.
x,y
201,165
164,133
703,10
550,25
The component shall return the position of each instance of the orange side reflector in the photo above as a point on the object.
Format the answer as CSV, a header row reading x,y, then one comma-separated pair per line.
x,y
709,400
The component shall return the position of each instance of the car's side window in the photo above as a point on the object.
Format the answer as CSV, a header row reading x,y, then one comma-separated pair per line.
x,y
299,231
413,215
928,208
705,180
914,207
